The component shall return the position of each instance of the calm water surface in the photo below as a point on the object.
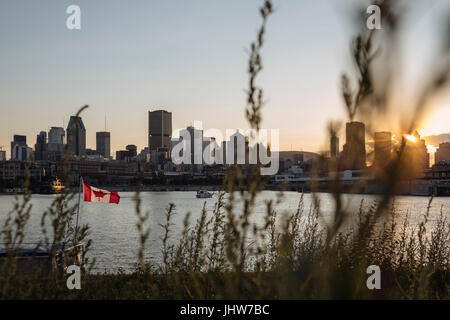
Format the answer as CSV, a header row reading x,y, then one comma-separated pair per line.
x,y
113,227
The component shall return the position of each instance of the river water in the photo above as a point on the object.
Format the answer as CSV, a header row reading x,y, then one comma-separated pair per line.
x,y
113,227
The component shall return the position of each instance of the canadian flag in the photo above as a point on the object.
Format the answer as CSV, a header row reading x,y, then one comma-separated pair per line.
x,y
92,194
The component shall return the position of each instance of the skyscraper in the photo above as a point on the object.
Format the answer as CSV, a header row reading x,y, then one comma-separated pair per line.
x,y
19,149
416,153
56,135
55,148
76,136
160,130
238,147
103,143
41,146
18,140
354,152
192,140
383,145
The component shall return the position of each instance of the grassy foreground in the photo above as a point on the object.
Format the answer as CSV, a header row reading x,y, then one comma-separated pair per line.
x,y
297,262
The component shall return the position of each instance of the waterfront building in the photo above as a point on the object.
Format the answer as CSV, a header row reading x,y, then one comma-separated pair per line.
x,y
159,130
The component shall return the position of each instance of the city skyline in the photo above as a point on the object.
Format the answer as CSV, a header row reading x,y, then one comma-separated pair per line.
x,y
369,142
205,66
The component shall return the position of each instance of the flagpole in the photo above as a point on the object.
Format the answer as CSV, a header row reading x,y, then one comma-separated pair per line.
x,y
78,211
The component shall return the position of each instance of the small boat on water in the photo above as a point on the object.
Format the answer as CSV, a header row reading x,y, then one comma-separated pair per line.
x,y
58,186
204,194
52,187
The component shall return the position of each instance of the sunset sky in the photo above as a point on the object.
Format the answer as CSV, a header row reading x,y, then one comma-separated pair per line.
x,y
188,57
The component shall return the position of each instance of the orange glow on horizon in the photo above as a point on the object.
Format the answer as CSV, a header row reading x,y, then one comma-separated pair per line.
x,y
411,138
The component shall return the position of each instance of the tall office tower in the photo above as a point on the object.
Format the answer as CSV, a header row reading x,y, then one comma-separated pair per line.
x,y
354,152
2,155
383,145
56,135
160,130
192,140
103,143
334,147
41,146
196,141
55,147
238,147
416,152
19,148
224,151
443,153
76,136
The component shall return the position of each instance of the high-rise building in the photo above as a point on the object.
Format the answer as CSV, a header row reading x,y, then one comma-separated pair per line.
x,y
224,151
383,145
160,130
443,153
2,155
56,135
76,136
334,146
103,142
354,152
18,140
192,140
19,149
238,147
41,146
416,152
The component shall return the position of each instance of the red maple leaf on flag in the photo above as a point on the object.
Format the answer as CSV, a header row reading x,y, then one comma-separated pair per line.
x,y
99,194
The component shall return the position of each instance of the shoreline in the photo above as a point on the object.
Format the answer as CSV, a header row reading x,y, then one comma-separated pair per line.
x,y
194,188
